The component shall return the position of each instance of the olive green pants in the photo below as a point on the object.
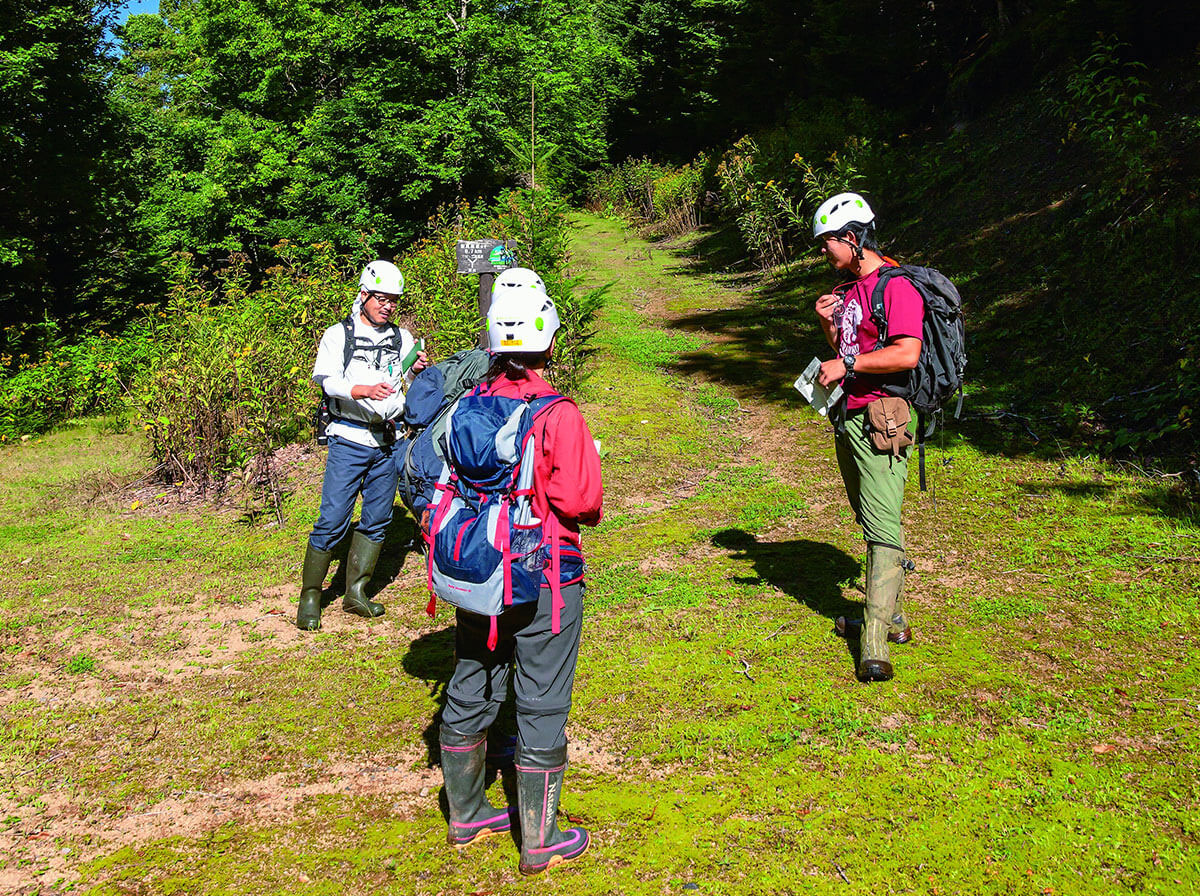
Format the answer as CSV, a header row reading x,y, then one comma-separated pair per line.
x,y
874,482
875,486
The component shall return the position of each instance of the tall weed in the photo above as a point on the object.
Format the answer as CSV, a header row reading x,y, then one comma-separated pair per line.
x,y
650,193
760,206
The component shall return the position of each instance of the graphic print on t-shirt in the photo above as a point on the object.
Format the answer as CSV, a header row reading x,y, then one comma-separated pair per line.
x,y
848,324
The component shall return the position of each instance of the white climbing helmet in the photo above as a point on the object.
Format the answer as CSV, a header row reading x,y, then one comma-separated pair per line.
x,y
382,276
522,318
518,277
838,212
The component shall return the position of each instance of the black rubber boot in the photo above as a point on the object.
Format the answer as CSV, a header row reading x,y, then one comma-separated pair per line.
x,y
312,583
539,786
360,564
472,816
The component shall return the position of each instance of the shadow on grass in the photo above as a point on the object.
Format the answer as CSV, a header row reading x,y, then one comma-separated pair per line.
x,y
431,658
810,572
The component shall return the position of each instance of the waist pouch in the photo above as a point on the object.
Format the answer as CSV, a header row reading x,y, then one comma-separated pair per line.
x,y
887,424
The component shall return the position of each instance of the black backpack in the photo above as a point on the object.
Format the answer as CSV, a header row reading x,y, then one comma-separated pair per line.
x,y
938,375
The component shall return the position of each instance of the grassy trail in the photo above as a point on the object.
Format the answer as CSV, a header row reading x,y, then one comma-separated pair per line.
x,y
166,729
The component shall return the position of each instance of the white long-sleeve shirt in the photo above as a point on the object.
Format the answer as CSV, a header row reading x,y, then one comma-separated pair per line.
x,y
374,360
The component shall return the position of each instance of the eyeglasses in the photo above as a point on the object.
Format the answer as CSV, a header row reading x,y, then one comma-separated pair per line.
x,y
384,299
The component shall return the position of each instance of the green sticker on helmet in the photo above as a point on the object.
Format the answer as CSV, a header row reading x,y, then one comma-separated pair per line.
x,y
858,202
378,280
824,219
540,324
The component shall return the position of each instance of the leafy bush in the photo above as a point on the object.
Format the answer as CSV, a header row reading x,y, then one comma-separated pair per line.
x,y
650,193
89,377
759,205
229,380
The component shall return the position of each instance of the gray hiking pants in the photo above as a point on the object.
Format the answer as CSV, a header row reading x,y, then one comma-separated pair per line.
x,y
540,663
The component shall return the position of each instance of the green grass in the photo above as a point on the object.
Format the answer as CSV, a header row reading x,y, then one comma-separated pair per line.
x,y
1040,736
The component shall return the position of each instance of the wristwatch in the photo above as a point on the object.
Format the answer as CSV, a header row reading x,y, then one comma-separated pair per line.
x,y
848,362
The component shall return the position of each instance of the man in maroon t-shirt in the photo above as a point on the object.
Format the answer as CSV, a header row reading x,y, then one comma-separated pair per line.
x,y
874,477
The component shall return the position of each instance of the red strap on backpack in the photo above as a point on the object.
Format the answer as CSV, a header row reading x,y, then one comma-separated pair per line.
x,y
556,599
504,546
442,508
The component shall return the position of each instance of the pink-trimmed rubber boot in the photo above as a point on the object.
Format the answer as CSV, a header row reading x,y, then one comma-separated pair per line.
x,y
539,786
472,817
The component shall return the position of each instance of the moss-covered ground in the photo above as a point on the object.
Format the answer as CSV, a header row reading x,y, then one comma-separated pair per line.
x,y
166,730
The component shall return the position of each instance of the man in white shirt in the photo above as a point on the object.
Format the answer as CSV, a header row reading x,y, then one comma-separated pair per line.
x,y
364,365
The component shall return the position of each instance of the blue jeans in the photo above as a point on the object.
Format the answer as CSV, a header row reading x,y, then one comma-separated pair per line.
x,y
352,468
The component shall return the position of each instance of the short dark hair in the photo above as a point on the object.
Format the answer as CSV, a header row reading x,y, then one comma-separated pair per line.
x,y
514,365
864,235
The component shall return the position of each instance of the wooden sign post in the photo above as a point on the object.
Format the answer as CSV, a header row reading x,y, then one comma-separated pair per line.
x,y
485,258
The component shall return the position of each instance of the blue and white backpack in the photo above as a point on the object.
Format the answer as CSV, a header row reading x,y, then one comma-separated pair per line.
x,y
488,552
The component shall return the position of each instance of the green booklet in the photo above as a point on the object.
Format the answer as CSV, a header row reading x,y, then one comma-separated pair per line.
x,y
411,358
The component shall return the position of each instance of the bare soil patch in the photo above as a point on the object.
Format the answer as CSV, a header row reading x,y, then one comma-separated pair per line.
x,y
35,841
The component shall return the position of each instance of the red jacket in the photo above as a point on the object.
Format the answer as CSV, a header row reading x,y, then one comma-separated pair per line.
x,y
566,478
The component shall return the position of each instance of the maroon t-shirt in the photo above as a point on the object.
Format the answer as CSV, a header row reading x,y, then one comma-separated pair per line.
x,y
857,333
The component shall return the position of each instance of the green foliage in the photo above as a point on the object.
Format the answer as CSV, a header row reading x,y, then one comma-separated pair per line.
x,y
313,123
757,202
1104,98
66,234
839,174
650,193
80,664
70,379
229,381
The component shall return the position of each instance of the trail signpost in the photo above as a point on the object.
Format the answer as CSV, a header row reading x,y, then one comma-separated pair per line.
x,y
486,258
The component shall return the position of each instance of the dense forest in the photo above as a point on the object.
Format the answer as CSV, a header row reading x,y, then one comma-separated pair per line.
x,y
1047,149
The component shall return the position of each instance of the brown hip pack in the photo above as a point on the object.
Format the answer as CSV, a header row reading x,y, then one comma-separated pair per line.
x,y
887,424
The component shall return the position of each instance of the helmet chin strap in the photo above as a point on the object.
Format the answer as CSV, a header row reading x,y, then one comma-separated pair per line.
x,y
858,250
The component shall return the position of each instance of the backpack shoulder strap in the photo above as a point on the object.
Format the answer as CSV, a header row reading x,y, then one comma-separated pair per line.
x,y
347,341
878,310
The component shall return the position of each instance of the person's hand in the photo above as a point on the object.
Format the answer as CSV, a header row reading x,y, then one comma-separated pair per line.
x,y
378,392
831,372
827,306
421,363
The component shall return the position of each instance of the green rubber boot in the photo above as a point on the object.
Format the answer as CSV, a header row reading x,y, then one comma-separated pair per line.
x,y
885,581
360,564
312,583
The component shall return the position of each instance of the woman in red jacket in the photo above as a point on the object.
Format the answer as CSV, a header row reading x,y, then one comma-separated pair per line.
x,y
538,644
